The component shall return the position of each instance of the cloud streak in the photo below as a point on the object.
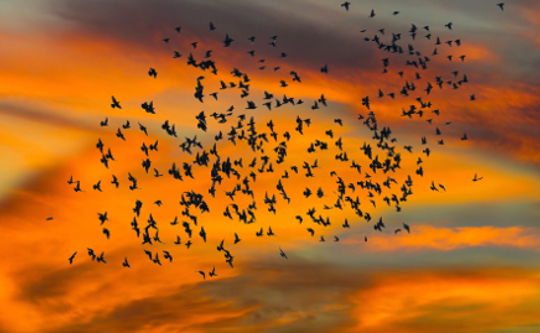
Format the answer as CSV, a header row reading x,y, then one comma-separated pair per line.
x,y
425,238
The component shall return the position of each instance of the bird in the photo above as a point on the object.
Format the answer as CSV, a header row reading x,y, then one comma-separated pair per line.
x,y
103,217
236,238
125,263
228,40
152,72
282,253
501,5
156,259
78,187
202,273
142,128
97,186
229,261
115,181
324,69
91,253
100,258
202,233
72,257
120,135
213,272
148,107
167,255
475,179
220,247
115,104
346,4
406,227
148,253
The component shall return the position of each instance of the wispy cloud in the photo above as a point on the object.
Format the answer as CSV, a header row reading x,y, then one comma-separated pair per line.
x,y
425,238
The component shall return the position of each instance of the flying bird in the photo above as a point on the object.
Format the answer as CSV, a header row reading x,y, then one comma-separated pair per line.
x,y
282,253
475,179
72,257
406,227
228,40
125,263
115,104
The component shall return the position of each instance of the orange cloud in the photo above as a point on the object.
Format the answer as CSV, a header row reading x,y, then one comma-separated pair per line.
x,y
447,302
75,74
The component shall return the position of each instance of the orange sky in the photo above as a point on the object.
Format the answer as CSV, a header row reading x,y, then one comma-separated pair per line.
x,y
469,263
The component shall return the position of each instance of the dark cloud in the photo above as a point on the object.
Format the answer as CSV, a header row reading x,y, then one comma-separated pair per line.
x,y
47,289
309,43
176,311
275,285
44,116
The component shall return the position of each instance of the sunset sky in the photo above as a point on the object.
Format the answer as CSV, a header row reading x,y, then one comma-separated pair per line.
x,y
471,262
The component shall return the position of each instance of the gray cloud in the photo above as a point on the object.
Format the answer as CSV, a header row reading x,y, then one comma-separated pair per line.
x,y
308,43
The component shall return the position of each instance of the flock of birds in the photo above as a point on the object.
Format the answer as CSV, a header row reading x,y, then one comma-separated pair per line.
x,y
388,161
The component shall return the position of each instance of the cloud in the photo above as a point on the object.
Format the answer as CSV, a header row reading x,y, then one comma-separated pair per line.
x,y
186,309
146,24
303,296
424,237
448,301
43,116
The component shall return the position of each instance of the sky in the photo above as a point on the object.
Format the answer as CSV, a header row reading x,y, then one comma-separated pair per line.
x,y
470,262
